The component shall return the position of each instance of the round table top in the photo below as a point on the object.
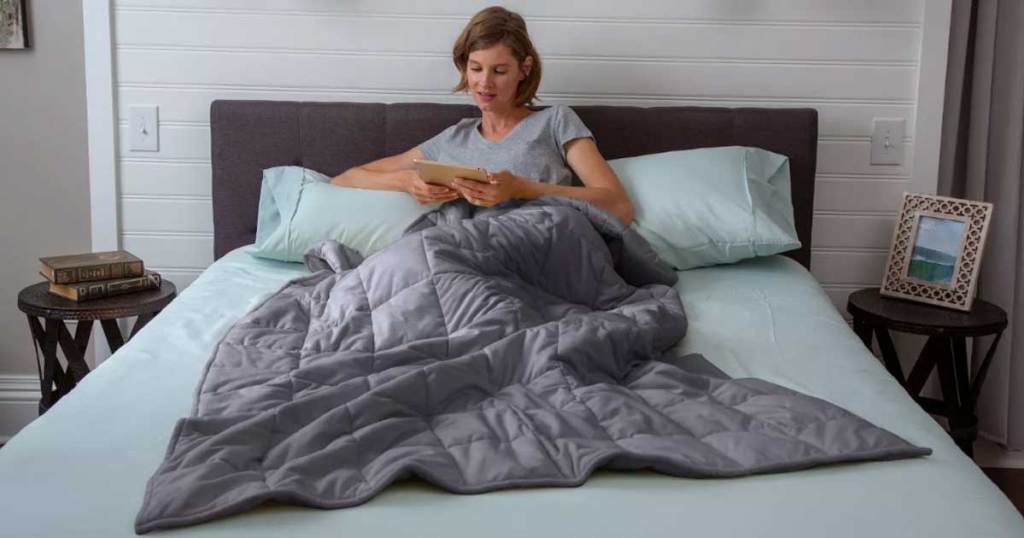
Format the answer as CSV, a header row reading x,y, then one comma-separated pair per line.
x,y
869,306
37,300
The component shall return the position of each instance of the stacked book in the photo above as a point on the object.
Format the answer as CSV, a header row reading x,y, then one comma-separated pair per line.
x,y
94,275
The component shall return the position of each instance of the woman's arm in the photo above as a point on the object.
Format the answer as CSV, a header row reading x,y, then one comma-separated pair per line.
x,y
395,173
387,174
601,186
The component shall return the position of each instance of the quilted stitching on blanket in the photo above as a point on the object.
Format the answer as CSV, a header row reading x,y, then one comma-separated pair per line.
x,y
482,351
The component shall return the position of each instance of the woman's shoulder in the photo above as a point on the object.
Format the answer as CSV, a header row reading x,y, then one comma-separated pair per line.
x,y
561,112
460,127
456,134
563,117
556,110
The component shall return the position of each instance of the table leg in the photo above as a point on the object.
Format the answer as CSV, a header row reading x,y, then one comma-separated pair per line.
x,y
141,322
979,378
963,377
74,350
924,364
959,403
54,380
863,330
47,342
889,356
114,337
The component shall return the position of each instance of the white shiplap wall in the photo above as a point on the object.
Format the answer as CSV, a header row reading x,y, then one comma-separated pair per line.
x,y
853,61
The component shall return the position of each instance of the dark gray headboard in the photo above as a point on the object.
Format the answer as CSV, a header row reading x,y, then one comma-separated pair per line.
x,y
249,136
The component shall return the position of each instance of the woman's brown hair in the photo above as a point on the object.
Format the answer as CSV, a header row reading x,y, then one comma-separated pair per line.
x,y
489,27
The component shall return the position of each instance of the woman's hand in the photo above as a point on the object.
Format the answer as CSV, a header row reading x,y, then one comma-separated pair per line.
x,y
424,192
501,186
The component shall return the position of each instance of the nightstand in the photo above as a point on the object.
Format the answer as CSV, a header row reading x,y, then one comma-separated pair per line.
x,y
46,316
945,350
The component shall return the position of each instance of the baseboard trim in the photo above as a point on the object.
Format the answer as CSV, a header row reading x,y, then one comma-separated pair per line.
x,y
19,403
990,452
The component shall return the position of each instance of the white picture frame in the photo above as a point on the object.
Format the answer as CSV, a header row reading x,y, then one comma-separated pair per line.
x,y
936,250
14,25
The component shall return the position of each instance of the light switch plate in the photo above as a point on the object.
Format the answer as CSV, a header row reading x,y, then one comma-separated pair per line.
x,y
887,141
143,128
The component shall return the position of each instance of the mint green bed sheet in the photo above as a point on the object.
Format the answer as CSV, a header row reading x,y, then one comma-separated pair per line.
x,y
81,469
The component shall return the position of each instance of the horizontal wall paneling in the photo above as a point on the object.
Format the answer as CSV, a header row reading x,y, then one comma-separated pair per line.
x,y
852,61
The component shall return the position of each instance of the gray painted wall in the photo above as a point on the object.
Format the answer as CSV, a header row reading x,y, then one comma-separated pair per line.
x,y
44,172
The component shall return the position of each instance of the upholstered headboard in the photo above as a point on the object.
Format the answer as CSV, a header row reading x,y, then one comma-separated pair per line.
x,y
249,136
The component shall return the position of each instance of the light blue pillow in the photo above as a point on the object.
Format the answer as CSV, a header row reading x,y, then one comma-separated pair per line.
x,y
711,206
300,207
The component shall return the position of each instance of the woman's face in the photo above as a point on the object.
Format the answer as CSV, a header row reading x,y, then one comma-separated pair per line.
x,y
493,74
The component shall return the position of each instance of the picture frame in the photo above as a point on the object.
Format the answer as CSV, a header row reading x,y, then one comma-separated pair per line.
x,y
14,33
936,250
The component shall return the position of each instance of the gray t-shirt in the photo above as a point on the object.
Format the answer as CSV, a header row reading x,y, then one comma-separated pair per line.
x,y
534,148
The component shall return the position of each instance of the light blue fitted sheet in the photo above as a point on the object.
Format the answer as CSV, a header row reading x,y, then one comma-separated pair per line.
x,y
81,469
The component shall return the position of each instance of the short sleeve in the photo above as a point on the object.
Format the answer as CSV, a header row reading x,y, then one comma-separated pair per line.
x,y
433,147
567,127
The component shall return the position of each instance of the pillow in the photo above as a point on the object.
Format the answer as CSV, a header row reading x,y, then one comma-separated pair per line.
x,y
710,206
300,207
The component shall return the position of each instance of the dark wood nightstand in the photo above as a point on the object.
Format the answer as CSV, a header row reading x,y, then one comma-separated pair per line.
x,y
37,302
946,350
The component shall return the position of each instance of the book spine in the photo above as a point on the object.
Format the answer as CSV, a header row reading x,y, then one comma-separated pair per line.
x,y
64,291
104,271
107,289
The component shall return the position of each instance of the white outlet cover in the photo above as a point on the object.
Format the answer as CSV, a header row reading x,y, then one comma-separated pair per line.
x,y
143,128
887,140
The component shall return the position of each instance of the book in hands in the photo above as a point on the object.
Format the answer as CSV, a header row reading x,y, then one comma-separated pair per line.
x,y
91,266
85,291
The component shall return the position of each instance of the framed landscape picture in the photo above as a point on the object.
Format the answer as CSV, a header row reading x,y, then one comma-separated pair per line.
x,y
936,250
13,25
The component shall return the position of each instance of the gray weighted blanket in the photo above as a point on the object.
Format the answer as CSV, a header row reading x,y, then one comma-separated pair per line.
x,y
523,345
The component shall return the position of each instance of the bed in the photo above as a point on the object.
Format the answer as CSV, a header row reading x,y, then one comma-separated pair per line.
x,y
81,469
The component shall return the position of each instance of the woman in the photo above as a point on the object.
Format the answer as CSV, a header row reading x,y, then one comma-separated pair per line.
x,y
536,152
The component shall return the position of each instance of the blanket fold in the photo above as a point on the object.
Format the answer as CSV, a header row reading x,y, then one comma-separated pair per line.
x,y
522,345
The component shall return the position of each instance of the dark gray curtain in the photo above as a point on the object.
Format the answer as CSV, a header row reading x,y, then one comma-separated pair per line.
x,y
981,159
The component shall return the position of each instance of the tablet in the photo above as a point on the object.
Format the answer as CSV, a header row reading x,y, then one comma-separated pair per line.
x,y
443,173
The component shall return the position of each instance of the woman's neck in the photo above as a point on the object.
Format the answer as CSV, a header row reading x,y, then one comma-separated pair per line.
x,y
497,124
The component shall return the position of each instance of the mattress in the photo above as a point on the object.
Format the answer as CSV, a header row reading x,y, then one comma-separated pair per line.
x,y
81,469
